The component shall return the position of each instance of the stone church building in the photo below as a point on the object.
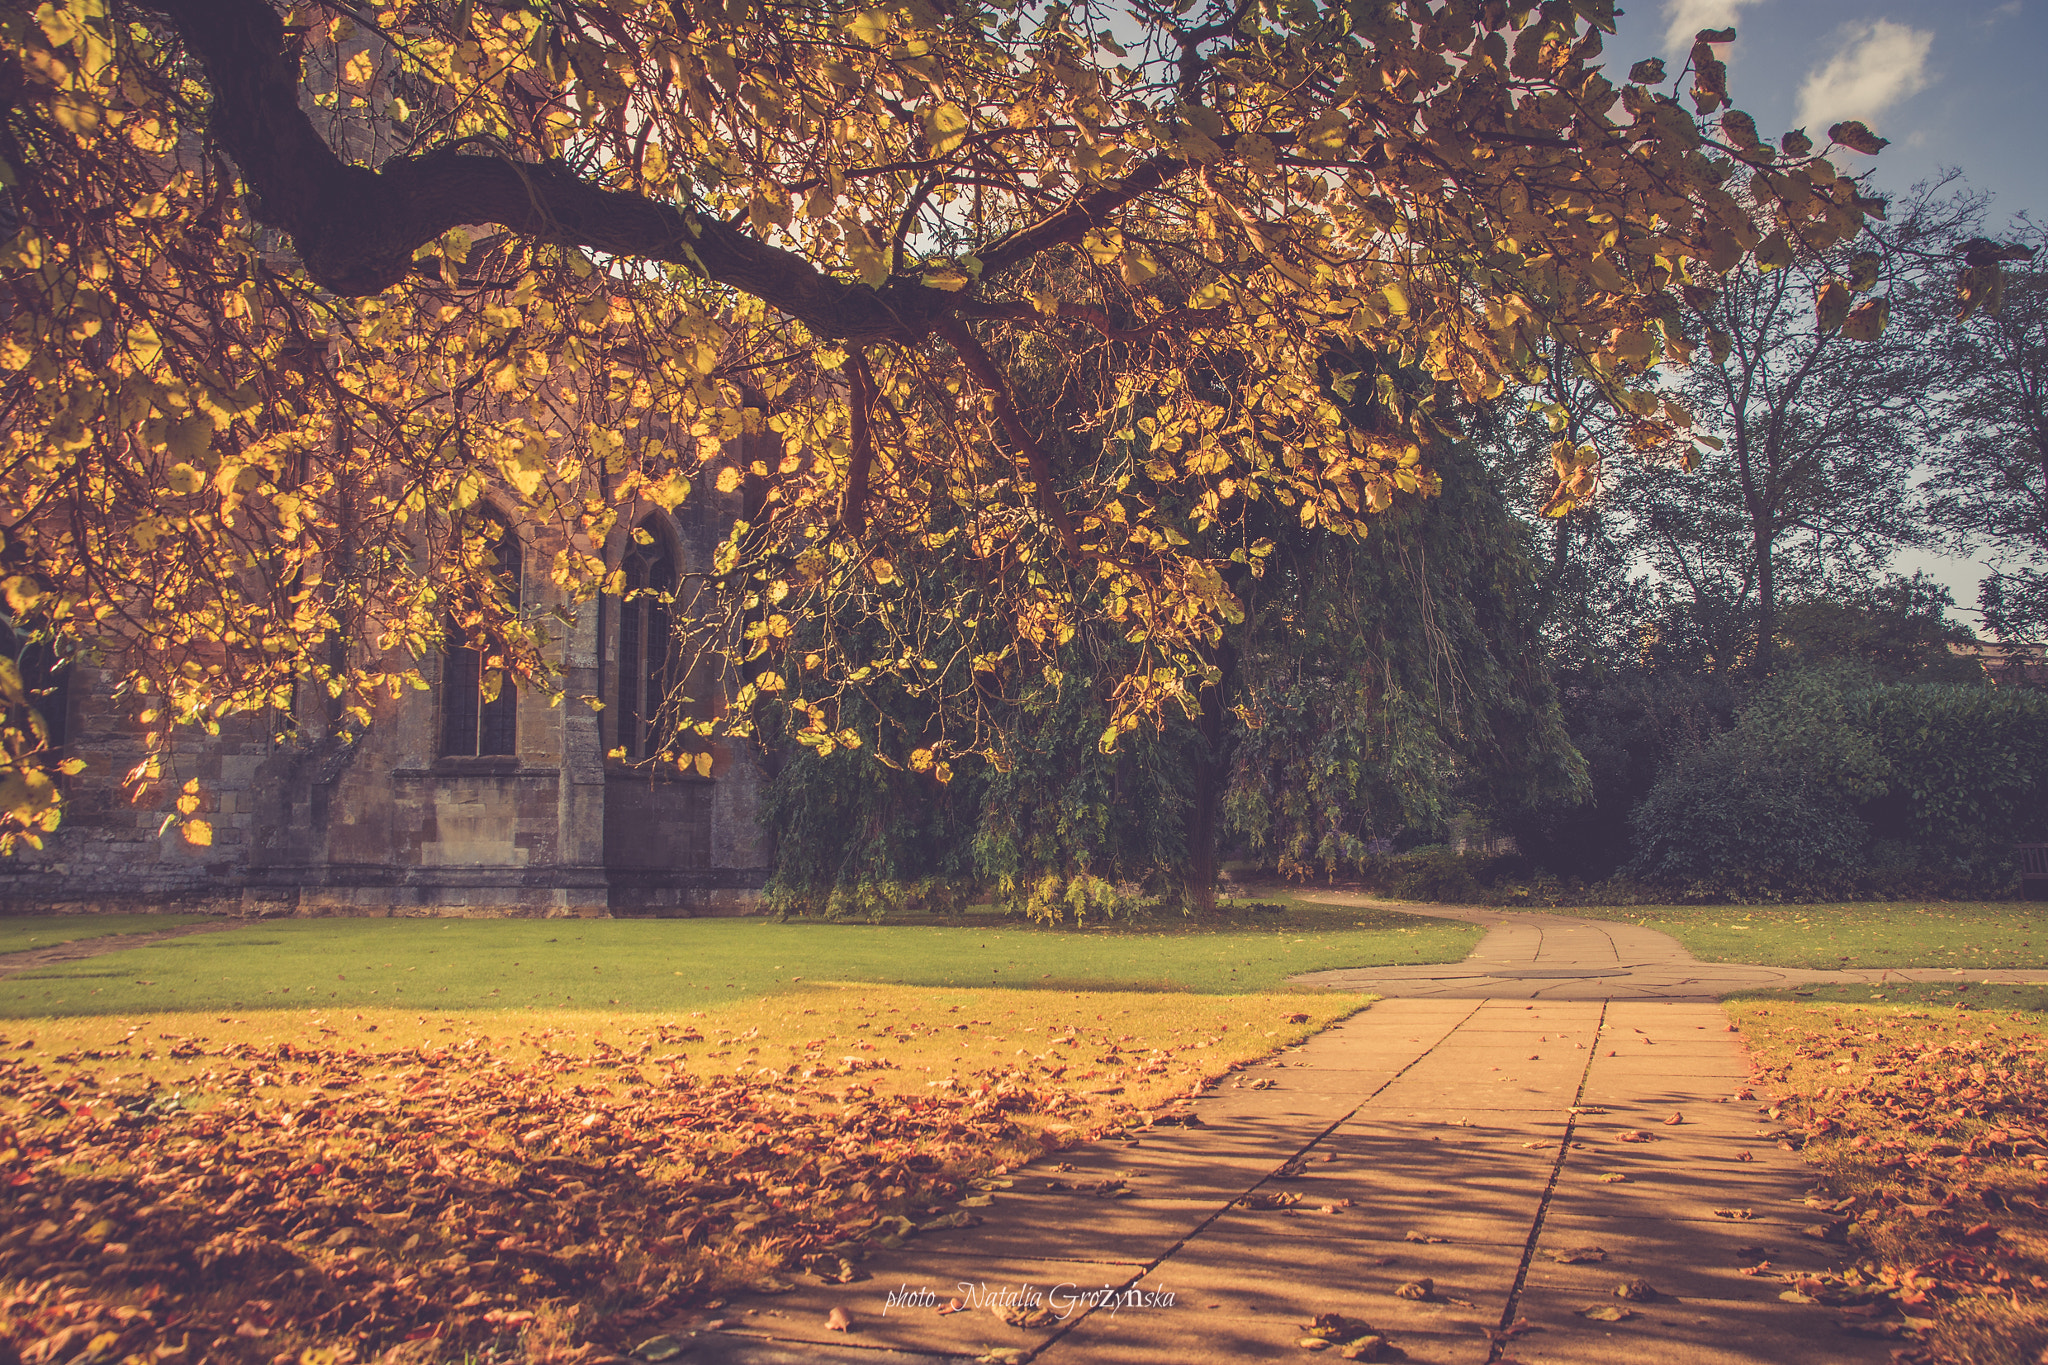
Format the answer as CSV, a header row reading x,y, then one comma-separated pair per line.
x,y
450,802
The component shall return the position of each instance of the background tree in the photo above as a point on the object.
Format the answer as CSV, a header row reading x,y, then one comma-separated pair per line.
x,y
254,380
1991,481
1373,686
1820,412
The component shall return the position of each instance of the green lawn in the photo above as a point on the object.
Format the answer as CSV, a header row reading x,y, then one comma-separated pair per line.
x,y
1994,996
665,965
19,933
1969,934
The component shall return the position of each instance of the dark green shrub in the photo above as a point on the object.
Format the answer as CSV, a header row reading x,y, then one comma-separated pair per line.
x,y
1833,785
1733,818
1969,773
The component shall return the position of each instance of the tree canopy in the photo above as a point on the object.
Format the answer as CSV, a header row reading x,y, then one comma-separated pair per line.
x,y
287,289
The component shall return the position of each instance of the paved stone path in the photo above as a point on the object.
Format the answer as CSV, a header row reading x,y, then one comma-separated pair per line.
x,y
1531,956
1572,1085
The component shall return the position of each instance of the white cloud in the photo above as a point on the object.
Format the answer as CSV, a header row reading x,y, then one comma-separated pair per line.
x,y
1685,18
1880,63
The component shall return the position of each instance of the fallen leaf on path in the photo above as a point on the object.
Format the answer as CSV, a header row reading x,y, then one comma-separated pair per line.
x,y
838,1321
1606,1312
1025,1318
1579,1255
1637,1290
1610,1178
1329,1327
1413,1236
1739,1215
1634,1135
1271,1199
1674,1120
1417,1289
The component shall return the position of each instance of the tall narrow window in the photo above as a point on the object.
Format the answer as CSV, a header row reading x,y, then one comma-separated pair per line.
x,y
644,648
47,683
479,705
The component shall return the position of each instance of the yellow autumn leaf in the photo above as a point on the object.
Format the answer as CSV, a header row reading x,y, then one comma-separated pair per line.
x,y
945,128
198,833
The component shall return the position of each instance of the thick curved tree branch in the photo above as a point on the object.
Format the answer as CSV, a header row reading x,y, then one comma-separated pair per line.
x,y
357,229
854,512
983,368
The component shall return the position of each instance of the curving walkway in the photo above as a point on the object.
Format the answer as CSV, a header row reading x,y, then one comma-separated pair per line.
x,y
1564,1112
1528,955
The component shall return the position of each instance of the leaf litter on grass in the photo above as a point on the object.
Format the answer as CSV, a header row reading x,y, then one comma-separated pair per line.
x,y
408,1191
1930,1129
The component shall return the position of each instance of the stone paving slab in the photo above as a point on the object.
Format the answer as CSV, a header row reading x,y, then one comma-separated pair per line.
x,y
1473,1122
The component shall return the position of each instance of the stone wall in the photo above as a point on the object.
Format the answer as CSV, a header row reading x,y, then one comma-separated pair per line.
x,y
383,823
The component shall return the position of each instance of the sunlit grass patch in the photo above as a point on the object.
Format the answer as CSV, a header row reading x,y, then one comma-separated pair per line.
x,y
306,1179
661,966
1930,1125
1993,996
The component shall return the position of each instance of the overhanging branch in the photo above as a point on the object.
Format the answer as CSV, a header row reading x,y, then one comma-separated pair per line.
x,y
356,229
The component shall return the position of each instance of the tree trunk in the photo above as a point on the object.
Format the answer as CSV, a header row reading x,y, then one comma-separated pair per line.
x,y
1212,774
1766,607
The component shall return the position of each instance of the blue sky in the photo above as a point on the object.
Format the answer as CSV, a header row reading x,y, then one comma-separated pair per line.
x,y
1957,84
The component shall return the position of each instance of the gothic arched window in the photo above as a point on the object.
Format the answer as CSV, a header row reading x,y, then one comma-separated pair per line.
x,y
645,646
479,705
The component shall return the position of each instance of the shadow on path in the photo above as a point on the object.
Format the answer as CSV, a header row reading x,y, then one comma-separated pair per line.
x,y
1524,1132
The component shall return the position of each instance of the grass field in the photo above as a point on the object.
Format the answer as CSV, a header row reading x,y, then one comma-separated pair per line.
x,y
21,933
1971,934
471,1140
641,966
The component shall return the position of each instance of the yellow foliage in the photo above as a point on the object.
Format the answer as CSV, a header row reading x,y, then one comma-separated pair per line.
x,y
733,283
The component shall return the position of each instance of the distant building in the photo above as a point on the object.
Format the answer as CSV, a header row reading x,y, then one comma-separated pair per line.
x,y
2007,665
450,802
